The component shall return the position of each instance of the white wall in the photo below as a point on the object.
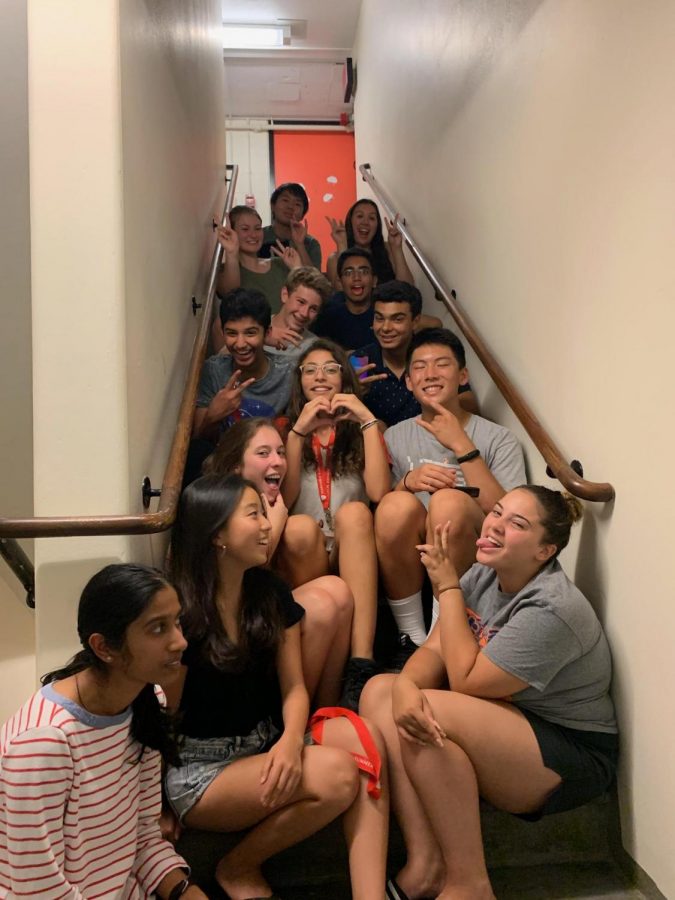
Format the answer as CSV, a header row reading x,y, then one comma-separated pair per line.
x,y
16,405
250,150
127,157
530,146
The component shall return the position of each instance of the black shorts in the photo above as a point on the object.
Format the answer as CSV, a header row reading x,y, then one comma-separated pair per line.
x,y
585,760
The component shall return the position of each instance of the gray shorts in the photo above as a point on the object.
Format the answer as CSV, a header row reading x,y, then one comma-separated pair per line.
x,y
205,758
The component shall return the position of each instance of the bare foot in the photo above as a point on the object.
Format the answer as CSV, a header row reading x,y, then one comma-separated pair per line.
x,y
241,883
419,881
480,890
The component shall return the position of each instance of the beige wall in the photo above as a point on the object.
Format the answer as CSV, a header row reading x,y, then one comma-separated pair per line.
x,y
16,406
251,151
530,146
127,155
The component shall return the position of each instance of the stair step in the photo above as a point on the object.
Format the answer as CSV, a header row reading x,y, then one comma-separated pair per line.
x,y
579,835
575,839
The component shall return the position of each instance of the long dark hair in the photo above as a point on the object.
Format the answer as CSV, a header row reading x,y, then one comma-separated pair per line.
x,y
111,600
205,507
229,454
347,457
382,266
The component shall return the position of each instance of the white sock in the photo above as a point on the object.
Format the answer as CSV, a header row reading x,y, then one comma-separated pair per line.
x,y
435,613
409,616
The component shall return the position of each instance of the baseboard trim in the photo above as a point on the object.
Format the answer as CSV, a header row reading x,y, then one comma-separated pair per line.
x,y
631,869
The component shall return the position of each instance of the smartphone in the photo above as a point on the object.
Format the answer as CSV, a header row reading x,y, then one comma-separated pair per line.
x,y
358,362
465,488
468,489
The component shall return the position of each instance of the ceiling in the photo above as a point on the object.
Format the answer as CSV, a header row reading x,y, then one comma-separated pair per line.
x,y
303,81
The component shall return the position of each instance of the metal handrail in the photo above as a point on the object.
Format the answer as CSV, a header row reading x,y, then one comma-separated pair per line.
x,y
146,523
558,467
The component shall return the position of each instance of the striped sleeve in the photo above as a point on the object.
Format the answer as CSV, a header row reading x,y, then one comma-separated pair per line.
x,y
36,770
155,856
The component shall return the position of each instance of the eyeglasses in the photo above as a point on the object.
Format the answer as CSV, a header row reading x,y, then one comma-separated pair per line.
x,y
329,368
350,271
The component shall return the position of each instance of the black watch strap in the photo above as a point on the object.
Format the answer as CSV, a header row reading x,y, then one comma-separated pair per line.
x,y
472,454
179,889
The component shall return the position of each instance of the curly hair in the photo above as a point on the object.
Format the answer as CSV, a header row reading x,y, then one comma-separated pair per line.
x,y
348,456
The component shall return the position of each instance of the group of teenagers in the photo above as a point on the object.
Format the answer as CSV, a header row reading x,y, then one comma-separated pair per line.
x,y
238,692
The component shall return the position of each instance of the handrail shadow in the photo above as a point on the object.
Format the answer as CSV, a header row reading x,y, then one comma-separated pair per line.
x,y
151,522
568,474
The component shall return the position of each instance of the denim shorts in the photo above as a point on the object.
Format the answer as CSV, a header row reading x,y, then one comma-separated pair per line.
x,y
205,758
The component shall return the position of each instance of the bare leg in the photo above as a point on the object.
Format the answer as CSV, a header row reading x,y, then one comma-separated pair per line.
x,y
400,524
491,751
357,562
329,785
424,872
466,520
301,555
366,822
326,633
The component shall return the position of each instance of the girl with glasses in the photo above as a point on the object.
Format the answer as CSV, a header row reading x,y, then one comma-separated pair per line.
x,y
337,465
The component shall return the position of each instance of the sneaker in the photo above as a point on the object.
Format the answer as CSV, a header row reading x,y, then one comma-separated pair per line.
x,y
406,648
357,672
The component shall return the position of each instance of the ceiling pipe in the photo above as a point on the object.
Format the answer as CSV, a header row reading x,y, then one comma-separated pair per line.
x,y
280,126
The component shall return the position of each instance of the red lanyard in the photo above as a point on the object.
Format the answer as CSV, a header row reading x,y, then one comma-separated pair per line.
x,y
323,476
370,763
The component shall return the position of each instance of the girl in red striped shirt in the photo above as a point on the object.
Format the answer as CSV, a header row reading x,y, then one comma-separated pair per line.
x,y
80,767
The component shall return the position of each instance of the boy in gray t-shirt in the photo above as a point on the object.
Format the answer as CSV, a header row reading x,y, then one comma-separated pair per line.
x,y
434,455
247,381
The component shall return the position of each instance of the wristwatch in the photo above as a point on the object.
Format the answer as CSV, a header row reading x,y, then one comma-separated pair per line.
x,y
179,889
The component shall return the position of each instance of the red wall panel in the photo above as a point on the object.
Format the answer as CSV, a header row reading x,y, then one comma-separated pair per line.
x,y
324,164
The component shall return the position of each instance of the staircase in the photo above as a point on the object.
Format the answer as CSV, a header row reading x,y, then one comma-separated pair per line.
x,y
562,856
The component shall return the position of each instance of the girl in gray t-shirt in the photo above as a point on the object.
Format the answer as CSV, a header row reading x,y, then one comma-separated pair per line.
x,y
528,722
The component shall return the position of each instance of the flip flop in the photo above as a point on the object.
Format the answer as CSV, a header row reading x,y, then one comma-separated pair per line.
x,y
394,892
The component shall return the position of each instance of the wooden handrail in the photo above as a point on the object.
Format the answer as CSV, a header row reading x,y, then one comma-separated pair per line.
x,y
13,554
559,468
147,523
